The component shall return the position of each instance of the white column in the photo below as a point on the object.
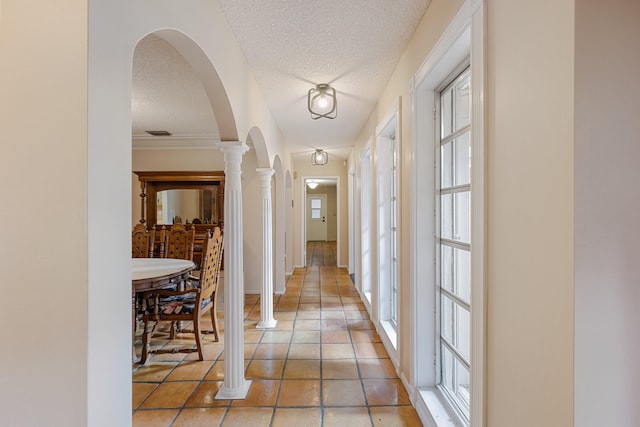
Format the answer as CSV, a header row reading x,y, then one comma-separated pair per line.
x,y
266,300
235,386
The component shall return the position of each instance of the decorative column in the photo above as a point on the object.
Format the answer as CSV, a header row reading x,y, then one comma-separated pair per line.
x,y
266,300
235,386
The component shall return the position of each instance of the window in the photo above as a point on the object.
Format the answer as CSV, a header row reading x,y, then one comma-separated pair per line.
x,y
448,289
316,208
393,310
454,241
388,139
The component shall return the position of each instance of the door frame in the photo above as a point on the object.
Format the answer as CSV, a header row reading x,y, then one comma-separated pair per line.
x,y
303,230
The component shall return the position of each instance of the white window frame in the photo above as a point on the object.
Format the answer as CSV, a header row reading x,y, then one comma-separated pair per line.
x,y
366,233
453,242
388,140
464,37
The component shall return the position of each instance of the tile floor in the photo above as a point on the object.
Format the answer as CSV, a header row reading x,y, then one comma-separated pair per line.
x,y
323,365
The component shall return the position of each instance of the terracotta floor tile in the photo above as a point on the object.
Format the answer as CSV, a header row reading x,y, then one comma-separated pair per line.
x,y
352,417
252,336
356,314
306,337
284,325
216,373
265,369
367,350
333,324
261,393
395,416
276,337
199,417
299,393
339,369
249,350
271,351
254,417
337,351
307,325
284,315
320,366
297,417
332,314
190,371
336,337
365,336
311,314
140,391
359,324
153,371
302,369
170,395
154,418
211,352
342,393
304,351
205,395
376,368
385,392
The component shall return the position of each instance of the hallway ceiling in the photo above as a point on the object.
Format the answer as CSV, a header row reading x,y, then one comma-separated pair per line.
x,y
291,45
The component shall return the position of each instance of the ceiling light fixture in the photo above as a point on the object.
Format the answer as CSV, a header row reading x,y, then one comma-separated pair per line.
x,y
312,184
321,102
319,157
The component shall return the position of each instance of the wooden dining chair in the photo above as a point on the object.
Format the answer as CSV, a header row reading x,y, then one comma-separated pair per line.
x,y
177,242
142,241
188,304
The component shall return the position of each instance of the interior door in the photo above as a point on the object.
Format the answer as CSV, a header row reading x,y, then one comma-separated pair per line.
x,y
317,217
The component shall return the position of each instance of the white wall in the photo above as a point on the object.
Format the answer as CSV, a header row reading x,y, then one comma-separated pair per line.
x,y
65,85
43,248
607,203
252,224
530,213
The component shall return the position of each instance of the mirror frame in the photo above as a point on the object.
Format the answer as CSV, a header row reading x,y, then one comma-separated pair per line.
x,y
153,181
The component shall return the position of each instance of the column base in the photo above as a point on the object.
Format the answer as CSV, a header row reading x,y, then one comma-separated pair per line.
x,y
267,324
234,393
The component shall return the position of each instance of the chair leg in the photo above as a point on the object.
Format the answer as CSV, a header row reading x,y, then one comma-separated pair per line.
x,y
198,336
146,341
214,323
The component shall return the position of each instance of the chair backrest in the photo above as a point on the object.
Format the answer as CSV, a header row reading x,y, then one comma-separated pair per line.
x,y
142,241
178,242
211,263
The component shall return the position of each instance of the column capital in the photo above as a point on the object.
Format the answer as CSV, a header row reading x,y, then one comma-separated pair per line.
x,y
267,172
232,146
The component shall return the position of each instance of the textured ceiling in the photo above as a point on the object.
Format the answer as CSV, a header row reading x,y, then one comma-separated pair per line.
x,y
291,45
167,95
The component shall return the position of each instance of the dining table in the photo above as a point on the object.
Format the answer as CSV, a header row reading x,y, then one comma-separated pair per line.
x,y
155,273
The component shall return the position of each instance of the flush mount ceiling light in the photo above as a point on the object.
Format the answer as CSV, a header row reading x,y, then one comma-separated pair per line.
x,y
312,184
319,157
321,101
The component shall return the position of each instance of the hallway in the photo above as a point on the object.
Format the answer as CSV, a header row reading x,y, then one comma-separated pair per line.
x,y
323,365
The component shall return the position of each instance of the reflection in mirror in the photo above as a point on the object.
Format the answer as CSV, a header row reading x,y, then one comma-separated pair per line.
x,y
187,206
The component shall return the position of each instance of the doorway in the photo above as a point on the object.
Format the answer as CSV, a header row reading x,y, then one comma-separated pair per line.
x,y
321,207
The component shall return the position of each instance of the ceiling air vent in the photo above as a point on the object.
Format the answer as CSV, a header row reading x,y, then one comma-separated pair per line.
x,y
158,132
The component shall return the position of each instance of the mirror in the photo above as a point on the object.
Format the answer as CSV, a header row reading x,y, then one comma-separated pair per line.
x,y
181,196
187,205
